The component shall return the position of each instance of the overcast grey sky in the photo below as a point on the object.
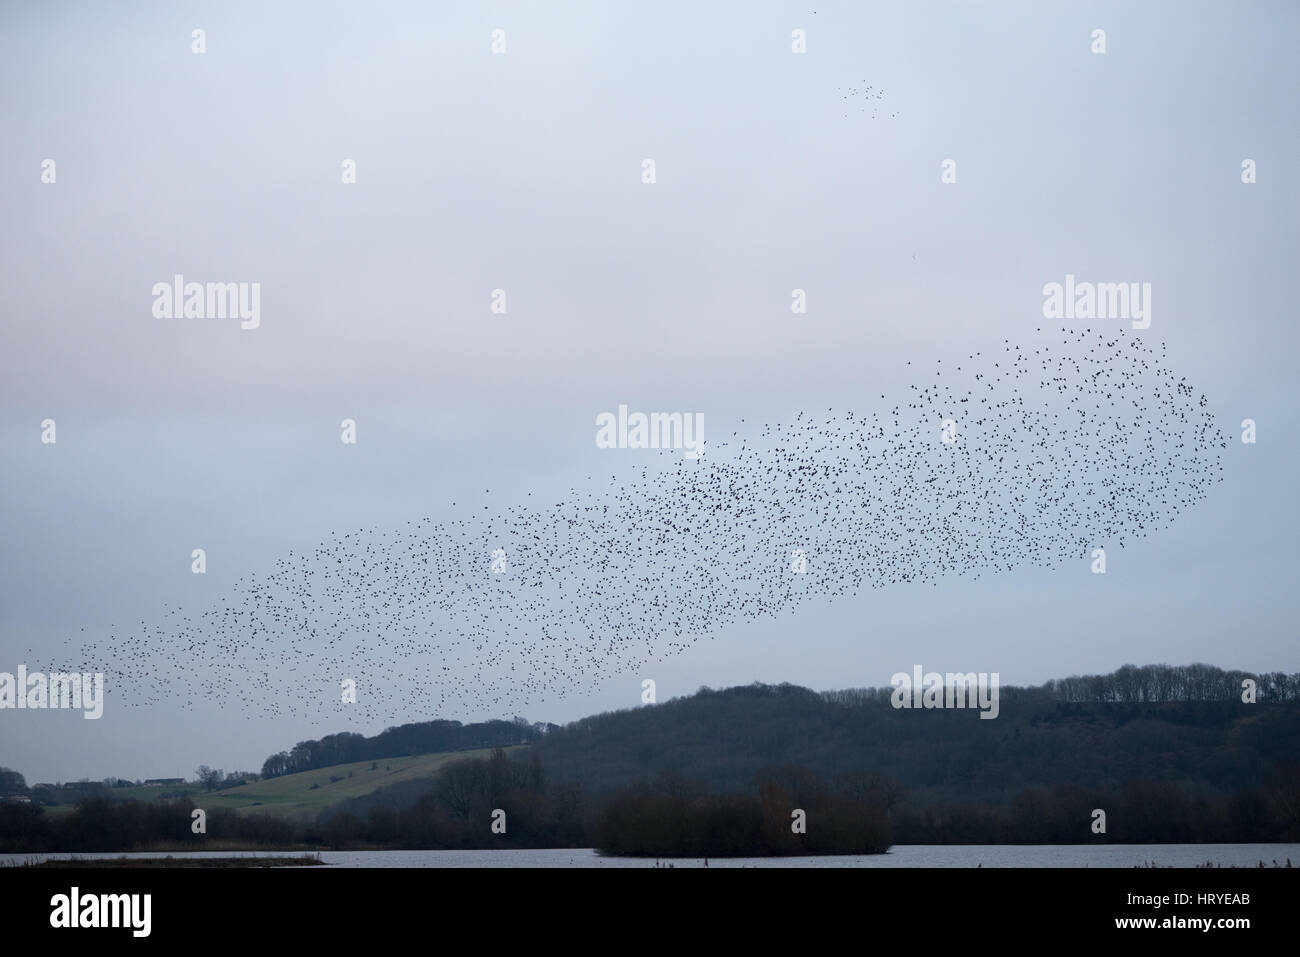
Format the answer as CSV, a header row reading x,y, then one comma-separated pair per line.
x,y
522,171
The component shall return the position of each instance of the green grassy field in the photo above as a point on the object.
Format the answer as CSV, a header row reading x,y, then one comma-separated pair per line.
x,y
154,792
293,795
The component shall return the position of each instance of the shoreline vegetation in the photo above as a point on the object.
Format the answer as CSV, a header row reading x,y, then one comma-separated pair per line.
x,y
304,860
654,824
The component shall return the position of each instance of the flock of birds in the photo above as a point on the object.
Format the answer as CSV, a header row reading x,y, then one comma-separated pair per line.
x,y
863,97
1026,455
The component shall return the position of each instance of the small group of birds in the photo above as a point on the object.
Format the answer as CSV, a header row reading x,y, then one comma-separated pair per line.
x,y
864,98
1028,455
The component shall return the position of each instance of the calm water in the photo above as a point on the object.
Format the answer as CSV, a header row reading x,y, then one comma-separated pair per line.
x,y
912,855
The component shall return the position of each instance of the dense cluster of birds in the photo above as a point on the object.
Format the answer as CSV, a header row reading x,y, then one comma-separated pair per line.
x,y
1026,455
864,98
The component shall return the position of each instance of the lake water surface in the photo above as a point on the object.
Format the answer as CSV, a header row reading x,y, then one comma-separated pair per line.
x,y
909,855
